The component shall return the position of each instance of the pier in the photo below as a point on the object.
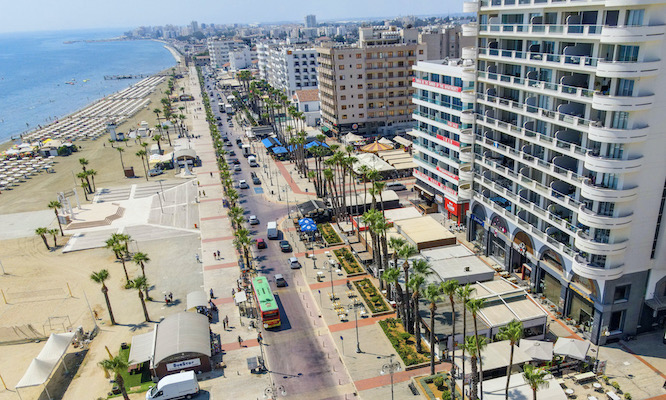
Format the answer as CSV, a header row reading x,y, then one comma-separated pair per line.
x,y
128,76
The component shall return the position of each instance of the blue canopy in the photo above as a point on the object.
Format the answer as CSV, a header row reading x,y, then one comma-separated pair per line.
x,y
279,150
267,143
291,147
304,221
308,228
315,143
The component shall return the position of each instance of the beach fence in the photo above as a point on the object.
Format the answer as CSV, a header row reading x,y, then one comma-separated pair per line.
x,y
27,295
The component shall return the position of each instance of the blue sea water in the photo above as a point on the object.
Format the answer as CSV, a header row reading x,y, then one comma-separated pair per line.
x,y
34,69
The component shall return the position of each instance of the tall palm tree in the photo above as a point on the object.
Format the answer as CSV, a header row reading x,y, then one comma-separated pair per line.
x,y
433,295
54,232
512,332
55,205
535,378
42,232
405,252
141,259
474,306
158,139
120,152
100,277
140,283
395,243
392,277
118,366
449,288
473,347
463,294
379,189
83,163
119,249
416,283
142,153
92,173
243,240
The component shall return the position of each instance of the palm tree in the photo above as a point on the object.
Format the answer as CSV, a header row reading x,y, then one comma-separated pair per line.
x,y
158,138
405,252
449,288
55,205
100,277
433,295
244,241
140,259
535,378
392,277
379,189
473,347
474,306
118,366
140,284
142,153
83,163
120,152
463,294
512,332
92,173
396,243
118,249
54,232
416,283
42,232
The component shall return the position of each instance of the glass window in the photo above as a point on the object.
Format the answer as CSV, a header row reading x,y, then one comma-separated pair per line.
x,y
621,293
627,53
625,87
635,17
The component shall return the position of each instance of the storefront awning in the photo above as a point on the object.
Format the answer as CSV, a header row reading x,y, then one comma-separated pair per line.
x,y
422,187
656,304
325,129
279,150
141,349
197,299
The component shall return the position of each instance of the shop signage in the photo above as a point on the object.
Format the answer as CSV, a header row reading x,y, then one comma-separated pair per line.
x,y
447,173
435,182
476,219
437,85
581,293
195,362
451,206
447,140
439,198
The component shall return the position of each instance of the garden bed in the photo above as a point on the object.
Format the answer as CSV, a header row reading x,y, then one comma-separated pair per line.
x,y
371,295
438,386
348,261
329,234
137,382
404,343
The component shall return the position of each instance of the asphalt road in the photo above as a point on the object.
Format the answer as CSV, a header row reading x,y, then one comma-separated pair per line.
x,y
294,352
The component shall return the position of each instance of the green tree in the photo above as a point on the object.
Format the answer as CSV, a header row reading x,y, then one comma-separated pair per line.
x,y
158,138
243,241
119,249
140,283
55,205
405,252
118,366
392,277
142,153
141,259
512,332
473,347
54,232
120,153
84,163
463,294
433,295
416,283
92,174
449,288
535,378
42,232
100,277
474,306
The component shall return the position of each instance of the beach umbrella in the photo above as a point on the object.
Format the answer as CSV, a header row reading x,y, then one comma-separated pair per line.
x,y
4,183
375,147
308,228
537,349
303,221
572,348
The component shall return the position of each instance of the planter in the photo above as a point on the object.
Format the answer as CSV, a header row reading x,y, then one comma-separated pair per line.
x,y
329,234
404,343
371,296
347,260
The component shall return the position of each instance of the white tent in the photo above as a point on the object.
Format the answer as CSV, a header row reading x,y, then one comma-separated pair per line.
x,y
351,138
537,349
142,348
42,366
197,299
572,348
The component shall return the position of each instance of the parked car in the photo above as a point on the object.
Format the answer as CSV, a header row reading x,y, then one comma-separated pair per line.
x,y
256,181
261,244
228,144
231,153
253,220
280,281
293,263
285,246
243,184
395,186
235,161
239,141
155,171
237,168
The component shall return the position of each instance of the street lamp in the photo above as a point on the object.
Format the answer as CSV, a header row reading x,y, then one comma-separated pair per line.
x,y
605,334
390,368
330,270
358,344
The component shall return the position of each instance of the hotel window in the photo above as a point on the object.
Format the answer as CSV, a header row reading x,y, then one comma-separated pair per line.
x,y
341,67
371,114
361,105
359,76
359,86
343,97
358,55
359,66
344,107
635,17
621,294
360,96
361,115
627,53
421,52
344,116
625,87
390,54
342,87
401,54
341,56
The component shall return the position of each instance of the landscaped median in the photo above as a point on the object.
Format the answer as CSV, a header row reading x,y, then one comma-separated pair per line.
x,y
329,234
404,343
372,298
439,386
348,262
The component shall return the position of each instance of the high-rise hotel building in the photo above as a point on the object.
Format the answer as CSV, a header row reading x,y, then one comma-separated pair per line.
x,y
569,163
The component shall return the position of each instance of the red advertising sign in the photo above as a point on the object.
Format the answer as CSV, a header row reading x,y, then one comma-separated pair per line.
x,y
447,140
451,206
437,85
447,173
435,182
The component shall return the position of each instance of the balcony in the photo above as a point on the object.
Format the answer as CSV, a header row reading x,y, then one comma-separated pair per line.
x,y
600,133
468,96
618,69
621,103
612,165
632,34
581,267
547,60
465,191
471,7
587,244
469,53
600,193
469,74
466,154
466,136
536,30
516,82
466,173
467,117
594,220
471,29
630,3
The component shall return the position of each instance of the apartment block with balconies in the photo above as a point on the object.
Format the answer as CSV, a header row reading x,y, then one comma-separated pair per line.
x,y
569,170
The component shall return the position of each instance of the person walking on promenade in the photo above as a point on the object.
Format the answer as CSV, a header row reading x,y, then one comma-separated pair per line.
x,y
212,296
197,257
211,174
240,341
260,338
170,297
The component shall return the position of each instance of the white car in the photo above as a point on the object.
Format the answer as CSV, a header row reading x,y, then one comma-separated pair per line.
x,y
243,184
253,220
237,168
293,263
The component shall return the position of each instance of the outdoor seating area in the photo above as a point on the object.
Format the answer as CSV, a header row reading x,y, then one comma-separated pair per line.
x,y
14,170
588,386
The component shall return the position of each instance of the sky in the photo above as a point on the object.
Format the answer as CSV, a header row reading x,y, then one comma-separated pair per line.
x,y
50,15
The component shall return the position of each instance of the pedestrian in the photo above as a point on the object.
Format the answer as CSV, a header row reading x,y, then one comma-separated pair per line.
x,y
170,296
219,254
204,193
240,341
212,296
166,299
197,257
224,324
211,174
226,321
260,338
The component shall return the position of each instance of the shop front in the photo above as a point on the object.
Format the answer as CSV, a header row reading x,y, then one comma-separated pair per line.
x,y
550,287
454,211
581,306
497,240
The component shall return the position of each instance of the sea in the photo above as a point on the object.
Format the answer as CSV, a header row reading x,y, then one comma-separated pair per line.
x,y
35,68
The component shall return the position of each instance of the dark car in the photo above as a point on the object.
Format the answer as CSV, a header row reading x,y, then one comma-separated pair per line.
x,y
280,281
231,153
261,244
228,144
256,181
239,141
235,161
285,246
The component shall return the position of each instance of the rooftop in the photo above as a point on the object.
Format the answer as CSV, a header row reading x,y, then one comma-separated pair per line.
x,y
307,95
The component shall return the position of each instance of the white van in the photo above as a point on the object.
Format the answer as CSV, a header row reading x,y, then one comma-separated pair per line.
x,y
272,231
252,160
177,386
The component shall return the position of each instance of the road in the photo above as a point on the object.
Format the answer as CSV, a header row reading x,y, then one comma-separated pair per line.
x,y
294,353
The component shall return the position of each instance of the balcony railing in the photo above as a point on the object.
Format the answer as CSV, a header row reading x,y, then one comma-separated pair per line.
x,y
541,58
538,86
439,103
536,30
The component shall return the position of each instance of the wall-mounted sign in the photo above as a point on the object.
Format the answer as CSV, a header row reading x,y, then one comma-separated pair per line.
x,y
437,85
195,362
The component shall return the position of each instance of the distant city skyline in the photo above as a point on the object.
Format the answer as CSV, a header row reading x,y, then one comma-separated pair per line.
x,y
45,15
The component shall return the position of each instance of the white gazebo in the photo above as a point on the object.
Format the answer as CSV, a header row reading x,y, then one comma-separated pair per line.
x,y
40,369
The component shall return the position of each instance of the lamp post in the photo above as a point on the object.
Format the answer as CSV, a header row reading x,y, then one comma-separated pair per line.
x,y
330,270
390,368
272,391
605,334
358,344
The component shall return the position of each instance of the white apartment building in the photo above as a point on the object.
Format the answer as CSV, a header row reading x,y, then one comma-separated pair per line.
x,y
569,164
241,58
443,135
219,51
288,68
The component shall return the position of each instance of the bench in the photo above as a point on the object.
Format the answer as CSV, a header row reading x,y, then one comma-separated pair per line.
x,y
613,396
584,377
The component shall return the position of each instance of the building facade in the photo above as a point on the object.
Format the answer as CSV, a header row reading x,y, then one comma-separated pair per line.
x,y
288,68
219,51
307,102
568,158
311,21
443,135
241,58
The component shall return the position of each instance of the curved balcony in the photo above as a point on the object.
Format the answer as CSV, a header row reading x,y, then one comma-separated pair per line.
x,y
601,133
594,220
631,34
469,53
621,103
589,245
619,69
581,267
612,165
469,74
471,29
466,136
468,96
600,193
466,154
471,7
466,173
467,117
465,191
